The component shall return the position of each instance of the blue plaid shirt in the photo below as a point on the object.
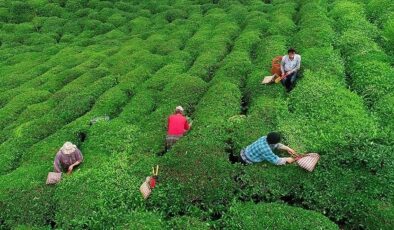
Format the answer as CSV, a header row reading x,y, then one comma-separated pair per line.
x,y
260,151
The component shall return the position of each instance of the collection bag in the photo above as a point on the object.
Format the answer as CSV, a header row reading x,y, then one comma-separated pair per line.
x,y
145,188
275,69
54,178
268,79
307,161
149,183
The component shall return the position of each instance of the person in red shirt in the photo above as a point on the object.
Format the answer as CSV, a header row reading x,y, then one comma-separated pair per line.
x,y
177,127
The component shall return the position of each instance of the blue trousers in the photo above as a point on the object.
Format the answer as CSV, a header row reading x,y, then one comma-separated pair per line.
x,y
289,81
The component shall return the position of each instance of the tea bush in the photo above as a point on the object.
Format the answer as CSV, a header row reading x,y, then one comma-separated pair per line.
x,y
388,35
26,201
250,216
43,152
192,186
361,52
188,223
381,14
96,199
17,104
384,110
20,12
172,95
336,210
351,15
66,64
344,123
31,132
51,9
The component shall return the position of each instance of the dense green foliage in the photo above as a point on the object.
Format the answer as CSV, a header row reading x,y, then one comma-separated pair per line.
x,y
277,216
65,63
381,13
369,68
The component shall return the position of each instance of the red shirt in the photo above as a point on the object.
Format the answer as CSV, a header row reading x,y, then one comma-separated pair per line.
x,y
177,125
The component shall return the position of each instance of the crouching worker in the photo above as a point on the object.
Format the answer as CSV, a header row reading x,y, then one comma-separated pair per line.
x,y
290,65
67,158
261,150
177,127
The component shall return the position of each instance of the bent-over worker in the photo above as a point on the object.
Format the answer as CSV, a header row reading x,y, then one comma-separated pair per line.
x,y
177,127
262,150
67,158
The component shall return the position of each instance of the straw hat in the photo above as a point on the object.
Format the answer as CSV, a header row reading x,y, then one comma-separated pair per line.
x,y
68,148
179,108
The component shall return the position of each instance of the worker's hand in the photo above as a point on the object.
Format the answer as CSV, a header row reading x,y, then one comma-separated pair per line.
x,y
70,169
290,151
290,160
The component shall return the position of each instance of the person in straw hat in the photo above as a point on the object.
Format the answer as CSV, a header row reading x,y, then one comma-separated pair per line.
x,y
177,127
67,158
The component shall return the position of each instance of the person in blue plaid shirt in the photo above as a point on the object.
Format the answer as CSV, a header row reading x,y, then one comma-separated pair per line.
x,y
262,150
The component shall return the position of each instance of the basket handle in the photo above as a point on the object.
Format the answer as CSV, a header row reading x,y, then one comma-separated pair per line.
x,y
296,156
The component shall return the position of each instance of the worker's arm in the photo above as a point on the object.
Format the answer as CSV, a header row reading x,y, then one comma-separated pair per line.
x,y
284,160
71,167
56,163
79,161
298,66
289,160
187,125
286,148
282,66
274,159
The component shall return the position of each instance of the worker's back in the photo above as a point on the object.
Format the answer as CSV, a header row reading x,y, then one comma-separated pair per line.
x,y
177,125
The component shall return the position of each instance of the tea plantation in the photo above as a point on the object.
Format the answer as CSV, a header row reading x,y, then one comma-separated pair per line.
x,y
66,62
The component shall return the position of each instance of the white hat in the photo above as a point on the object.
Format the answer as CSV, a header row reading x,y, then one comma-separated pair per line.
x,y
68,148
179,108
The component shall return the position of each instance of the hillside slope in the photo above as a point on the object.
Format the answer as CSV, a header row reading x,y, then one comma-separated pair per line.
x,y
64,63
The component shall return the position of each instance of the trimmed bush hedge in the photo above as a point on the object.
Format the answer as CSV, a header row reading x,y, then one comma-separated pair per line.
x,y
351,15
19,103
25,200
364,58
379,11
66,63
185,222
384,110
311,103
20,12
191,168
67,110
271,215
113,189
388,35
206,64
